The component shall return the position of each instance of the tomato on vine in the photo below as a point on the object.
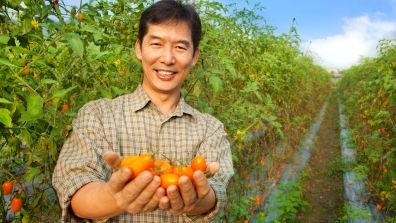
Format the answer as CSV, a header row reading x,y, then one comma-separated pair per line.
x,y
65,107
7,187
16,204
79,16
161,166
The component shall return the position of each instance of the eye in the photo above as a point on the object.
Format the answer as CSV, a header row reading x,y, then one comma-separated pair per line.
x,y
155,44
181,47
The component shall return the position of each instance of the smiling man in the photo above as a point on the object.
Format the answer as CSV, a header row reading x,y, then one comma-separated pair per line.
x,y
155,117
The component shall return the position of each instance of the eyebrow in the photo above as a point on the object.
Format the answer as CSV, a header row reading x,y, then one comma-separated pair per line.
x,y
185,42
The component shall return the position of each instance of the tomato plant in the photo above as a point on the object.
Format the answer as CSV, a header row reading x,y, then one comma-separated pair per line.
x,y
368,91
53,55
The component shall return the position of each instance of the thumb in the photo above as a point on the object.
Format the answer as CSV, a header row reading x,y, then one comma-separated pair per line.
x,y
112,159
119,179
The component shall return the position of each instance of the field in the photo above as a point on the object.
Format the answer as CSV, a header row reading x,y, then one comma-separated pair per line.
x,y
55,58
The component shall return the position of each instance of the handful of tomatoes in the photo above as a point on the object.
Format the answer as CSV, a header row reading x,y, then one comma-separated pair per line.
x,y
167,171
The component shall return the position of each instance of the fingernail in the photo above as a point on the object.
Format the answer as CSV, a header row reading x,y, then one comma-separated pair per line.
x,y
125,172
146,176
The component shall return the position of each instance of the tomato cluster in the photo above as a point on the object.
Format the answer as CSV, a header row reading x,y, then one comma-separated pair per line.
x,y
16,202
169,172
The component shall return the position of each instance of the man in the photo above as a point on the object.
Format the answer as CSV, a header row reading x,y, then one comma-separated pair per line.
x,y
155,117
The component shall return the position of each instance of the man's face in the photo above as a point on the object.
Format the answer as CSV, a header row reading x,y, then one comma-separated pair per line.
x,y
167,54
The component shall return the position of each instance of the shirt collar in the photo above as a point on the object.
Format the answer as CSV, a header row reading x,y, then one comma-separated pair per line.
x,y
143,100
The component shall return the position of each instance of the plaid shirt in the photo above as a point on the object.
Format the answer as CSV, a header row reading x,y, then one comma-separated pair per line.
x,y
131,124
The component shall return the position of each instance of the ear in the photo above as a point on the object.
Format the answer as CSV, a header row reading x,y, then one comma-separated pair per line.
x,y
195,57
138,49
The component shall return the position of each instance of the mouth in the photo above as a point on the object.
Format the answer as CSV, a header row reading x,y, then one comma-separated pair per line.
x,y
165,74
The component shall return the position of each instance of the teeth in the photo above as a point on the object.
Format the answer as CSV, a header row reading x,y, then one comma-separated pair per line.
x,y
162,72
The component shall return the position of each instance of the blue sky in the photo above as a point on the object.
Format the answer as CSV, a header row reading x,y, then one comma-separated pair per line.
x,y
337,33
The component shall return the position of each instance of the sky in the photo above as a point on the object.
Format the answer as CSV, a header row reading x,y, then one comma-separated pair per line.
x,y
336,33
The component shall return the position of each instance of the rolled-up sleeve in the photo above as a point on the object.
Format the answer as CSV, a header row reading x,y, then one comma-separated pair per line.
x,y
80,160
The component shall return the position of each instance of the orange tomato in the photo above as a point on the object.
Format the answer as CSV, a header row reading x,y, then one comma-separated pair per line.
x,y
257,199
7,187
184,171
161,167
79,16
137,164
198,163
16,204
26,70
65,107
168,179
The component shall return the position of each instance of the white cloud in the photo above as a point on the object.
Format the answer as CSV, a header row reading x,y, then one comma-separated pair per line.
x,y
359,39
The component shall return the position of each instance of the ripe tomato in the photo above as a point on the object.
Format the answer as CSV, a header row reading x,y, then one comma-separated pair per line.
x,y
168,179
7,187
137,164
198,163
26,70
65,107
16,204
184,171
80,16
161,167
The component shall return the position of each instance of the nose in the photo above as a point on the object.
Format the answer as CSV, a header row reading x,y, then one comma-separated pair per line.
x,y
167,56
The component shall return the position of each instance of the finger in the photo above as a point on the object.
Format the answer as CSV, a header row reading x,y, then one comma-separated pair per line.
x,y
188,193
155,200
176,201
119,179
133,189
112,159
164,203
147,199
201,184
213,168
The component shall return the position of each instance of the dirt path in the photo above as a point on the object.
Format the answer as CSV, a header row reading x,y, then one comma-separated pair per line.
x,y
323,183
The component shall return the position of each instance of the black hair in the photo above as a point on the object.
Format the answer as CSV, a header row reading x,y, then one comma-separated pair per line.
x,y
171,10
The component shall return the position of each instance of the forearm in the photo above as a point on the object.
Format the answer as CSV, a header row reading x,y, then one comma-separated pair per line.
x,y
94,201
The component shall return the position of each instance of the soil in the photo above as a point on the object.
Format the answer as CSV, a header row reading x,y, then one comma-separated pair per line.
x,y
323,179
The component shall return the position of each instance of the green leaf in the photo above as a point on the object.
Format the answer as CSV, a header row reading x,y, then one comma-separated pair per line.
x,y
32,173
118,91
35,104
34,108
75,43
26,137
62,92
48,81
4,39
5,101
217,84
6,62
5,117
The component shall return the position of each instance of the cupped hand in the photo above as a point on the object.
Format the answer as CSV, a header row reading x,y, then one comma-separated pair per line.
x,y
142,194
191,198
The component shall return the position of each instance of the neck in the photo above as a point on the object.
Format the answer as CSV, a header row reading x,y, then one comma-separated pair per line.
x,y
165,102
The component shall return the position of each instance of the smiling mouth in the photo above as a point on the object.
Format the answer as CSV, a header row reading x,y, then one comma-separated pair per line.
x,y
165,75
165,72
